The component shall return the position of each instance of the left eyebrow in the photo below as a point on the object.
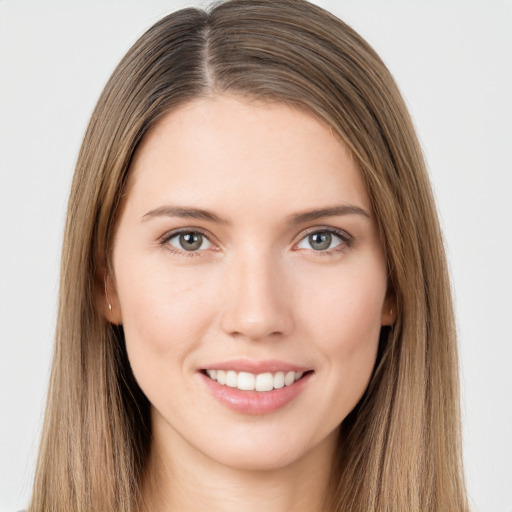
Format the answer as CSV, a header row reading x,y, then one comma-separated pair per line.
x,y
332,211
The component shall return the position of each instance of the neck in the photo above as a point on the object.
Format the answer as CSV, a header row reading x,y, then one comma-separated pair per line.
x,y
182,479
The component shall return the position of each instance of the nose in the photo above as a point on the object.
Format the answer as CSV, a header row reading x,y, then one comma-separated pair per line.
x,y
258,299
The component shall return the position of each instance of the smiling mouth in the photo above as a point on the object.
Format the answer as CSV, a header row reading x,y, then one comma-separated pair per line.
x,y
246,381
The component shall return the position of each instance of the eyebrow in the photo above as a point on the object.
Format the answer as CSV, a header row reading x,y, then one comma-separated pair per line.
x,y
185,213
332,211
297,218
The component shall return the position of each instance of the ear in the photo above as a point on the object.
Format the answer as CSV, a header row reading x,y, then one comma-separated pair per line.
x,y
388,316
107,299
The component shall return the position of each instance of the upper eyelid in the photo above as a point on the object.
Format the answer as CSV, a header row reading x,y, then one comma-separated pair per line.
x,y
164,240
175,232
330,229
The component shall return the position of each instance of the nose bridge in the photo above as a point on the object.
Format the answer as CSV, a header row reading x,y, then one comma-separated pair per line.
x,y
257,297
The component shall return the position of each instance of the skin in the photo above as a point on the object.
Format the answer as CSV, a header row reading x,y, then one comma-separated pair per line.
x,y
255,289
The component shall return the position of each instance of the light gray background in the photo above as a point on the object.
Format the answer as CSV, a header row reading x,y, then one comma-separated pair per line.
x,y
453,63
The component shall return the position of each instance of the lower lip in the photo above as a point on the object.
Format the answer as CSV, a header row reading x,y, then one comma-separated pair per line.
x,y
255,402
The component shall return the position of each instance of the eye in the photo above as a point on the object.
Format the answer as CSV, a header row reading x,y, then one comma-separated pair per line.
x,y
189,241
324,241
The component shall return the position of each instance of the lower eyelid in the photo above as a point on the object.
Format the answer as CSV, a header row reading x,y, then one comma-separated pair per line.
x,y
182,252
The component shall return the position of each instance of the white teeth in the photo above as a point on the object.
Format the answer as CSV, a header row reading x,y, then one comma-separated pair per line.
x,y
221,377
264,382
246,381
279,380
289,378
231,379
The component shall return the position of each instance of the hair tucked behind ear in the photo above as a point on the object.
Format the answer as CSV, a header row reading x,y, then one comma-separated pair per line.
x,y
400,448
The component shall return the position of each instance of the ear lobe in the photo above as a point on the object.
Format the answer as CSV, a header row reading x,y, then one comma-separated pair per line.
x,y
113,307
389,312
107,299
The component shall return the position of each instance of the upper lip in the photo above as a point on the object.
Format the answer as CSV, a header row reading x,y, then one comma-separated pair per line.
x,y
256,367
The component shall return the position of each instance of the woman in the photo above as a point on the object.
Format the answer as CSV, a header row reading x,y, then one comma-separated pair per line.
x,y
254,305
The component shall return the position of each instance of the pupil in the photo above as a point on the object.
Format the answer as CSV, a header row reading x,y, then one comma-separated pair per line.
x,y
320,241
191,241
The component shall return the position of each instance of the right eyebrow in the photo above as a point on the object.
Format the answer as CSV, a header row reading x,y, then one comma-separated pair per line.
x,y
185,213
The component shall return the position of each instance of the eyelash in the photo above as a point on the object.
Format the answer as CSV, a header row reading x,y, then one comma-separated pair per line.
x,y
346,240
164,241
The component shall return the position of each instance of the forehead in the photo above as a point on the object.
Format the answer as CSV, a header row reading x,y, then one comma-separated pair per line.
x,y
227,151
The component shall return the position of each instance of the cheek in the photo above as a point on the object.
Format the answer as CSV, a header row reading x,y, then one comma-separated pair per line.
x,y
165,316
164,313
349,337
346,306
343,317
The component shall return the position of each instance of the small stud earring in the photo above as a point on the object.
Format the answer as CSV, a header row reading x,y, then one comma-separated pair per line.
x,y
106,296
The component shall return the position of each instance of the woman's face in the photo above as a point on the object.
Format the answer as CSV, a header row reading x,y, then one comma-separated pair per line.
x,y
247,251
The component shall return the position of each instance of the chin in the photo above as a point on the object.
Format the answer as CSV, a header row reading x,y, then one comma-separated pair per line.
x,y
258,460
281,452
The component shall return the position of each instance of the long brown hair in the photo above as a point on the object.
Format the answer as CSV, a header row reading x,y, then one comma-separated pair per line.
x,y
400,448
